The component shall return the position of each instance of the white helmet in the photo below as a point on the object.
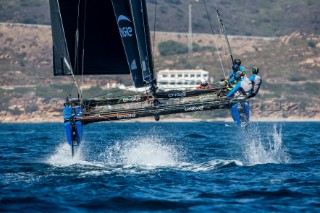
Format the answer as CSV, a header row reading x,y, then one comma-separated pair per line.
x,y
204,82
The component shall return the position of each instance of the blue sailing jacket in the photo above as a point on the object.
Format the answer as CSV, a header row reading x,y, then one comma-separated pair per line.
x,y
231,75
242,89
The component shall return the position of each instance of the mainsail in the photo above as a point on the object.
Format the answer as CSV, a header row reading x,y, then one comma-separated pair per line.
x,y
100,38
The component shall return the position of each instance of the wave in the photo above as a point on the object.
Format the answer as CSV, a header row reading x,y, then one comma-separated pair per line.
x,y
196,135
208,166
278,194
121,203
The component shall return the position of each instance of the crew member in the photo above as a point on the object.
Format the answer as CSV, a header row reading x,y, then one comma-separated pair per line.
x,y
230,77
256,81
204,84
240,92
241,68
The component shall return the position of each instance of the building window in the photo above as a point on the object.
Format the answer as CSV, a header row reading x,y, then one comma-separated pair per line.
x,y
198,75
172,76
192,75
164,76
205,75
186,75
180,75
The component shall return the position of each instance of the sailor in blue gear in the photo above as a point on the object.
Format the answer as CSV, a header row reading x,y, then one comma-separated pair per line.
x,y
240,111
256,81
240,68
236,62
235,69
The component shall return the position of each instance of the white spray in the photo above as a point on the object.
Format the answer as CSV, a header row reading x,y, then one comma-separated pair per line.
x,y
263,150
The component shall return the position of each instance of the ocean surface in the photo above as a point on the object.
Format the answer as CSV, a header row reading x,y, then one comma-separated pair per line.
x,y
161,167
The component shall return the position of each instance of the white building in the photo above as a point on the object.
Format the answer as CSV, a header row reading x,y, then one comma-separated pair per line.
x,y
180,79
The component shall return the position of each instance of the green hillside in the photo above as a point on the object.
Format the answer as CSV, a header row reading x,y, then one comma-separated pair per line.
x,y
242,17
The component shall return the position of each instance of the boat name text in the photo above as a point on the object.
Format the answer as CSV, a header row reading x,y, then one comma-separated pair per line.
x,y
133,99
179,94
127,116
200,108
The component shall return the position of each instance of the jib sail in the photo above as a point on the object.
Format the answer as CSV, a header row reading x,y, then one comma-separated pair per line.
x,y
99,38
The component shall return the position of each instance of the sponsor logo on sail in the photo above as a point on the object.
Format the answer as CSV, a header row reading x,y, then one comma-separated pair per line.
x,y
190,109
125,31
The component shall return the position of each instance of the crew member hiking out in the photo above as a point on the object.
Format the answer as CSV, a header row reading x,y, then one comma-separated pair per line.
x,y
256,81
240,111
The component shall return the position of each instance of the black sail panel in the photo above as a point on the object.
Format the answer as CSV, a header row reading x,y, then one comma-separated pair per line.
x,y
102,37
98,49
147,30
124,17
61,60
140,20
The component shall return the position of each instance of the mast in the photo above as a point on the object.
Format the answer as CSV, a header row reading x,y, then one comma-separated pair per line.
x,y
225,35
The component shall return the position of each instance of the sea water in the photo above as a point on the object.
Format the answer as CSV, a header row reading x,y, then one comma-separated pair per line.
x,y
161,167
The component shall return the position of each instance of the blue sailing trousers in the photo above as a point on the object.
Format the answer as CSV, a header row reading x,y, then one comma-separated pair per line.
x,y
240,113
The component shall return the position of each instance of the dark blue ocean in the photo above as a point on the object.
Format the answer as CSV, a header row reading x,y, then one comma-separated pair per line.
x,y
161,167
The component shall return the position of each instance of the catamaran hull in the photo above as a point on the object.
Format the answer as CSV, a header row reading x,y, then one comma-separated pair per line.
x,y
157,111
72,126
74,133
240,113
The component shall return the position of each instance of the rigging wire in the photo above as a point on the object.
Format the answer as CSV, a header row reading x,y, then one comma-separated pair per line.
x,y
217,50
224,47
154,29
225,34
76,57
70,87
148,65
84,36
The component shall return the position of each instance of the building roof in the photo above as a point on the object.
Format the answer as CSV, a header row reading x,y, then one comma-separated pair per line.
x,y
182,71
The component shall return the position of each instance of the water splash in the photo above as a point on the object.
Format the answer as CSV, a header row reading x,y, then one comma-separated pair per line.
x,y
136,155
62,156
145,152
264,146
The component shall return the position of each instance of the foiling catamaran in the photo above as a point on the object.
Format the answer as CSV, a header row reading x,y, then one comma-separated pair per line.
x,y
112,37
